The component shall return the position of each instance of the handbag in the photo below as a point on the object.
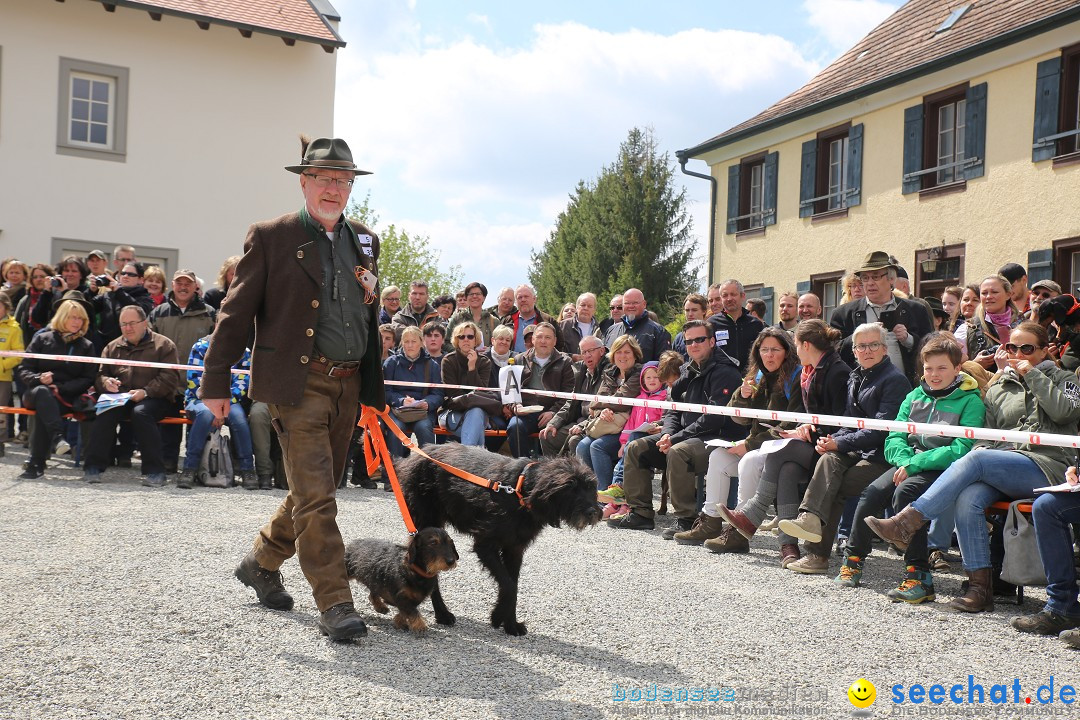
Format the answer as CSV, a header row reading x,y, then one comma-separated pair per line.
x,y
413,414
596,427
1022,565
215,465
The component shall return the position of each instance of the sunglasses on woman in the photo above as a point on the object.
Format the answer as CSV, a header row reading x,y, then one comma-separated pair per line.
x,y
1025,349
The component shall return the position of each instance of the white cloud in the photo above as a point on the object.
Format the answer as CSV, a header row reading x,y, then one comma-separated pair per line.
x,y
844,22
481,20
480,146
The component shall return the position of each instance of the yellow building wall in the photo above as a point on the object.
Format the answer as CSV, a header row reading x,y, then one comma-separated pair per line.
x,y
1015,207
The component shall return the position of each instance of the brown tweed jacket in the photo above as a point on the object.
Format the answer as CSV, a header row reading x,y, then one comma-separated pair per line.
x,y
276,287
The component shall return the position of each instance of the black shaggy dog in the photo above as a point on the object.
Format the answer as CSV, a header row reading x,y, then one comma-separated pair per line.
x,y
555,490
402,576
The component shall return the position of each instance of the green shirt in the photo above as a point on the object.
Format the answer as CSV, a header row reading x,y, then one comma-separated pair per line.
x,y
342,330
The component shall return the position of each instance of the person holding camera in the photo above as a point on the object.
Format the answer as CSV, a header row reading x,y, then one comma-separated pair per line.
x,y
71,274
906,321
993,321
115,294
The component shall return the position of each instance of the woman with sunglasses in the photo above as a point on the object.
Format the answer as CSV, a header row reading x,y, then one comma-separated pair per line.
x,y
468,413
1032,395
123,290
992,322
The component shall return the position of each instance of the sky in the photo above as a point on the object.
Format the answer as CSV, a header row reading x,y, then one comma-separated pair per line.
x,y
478,119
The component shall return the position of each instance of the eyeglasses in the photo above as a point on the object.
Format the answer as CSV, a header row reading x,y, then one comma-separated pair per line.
x,y
393,299
132,324
463,336
325,181
696,340
475,294
1025,349
1042,295
868,347
595,349
127,274
875,278
770,351
614,307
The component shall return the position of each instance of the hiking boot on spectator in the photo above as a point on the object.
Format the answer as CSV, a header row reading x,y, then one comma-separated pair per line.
x,y
805,527
789,553
980,592
342,623
705,528
900,528
1045,622
186,481
248,481
850,572
631,521
738,521
683,524
728,541
266,482
613,494
155,480
811,564
938,561
917,587
267,584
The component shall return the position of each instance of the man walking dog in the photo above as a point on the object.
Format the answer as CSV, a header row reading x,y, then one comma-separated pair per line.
x,y
316,356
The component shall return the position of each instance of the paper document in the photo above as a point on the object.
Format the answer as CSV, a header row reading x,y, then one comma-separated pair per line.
x,y
771,446
1062,488
108,401
718,443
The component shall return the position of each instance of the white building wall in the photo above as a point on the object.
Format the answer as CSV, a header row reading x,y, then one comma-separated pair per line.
x,y
212,119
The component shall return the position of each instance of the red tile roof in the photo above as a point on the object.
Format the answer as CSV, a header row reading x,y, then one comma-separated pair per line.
x,y
292,19
904,46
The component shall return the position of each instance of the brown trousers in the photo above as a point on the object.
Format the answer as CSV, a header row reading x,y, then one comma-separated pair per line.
x,y
314,436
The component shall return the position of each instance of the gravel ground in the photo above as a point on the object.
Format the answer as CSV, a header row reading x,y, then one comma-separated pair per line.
x,y
118,601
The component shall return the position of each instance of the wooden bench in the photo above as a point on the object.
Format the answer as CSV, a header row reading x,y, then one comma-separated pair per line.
x,y
7,410
1002,508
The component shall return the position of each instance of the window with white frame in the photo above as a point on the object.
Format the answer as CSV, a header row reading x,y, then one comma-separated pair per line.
x,y
92,114
950,140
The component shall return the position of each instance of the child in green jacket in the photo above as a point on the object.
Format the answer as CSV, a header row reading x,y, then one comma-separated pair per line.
x,y
946,396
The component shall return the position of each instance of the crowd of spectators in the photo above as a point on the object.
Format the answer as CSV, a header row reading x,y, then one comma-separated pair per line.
x,y
994,354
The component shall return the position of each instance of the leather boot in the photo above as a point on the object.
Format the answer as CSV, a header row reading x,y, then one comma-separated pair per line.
x,y
900,528
979,595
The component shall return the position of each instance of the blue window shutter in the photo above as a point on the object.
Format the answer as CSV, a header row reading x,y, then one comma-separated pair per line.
x,y
1040,266
913,147
772,160
768,296
803,287
1047,104
733,199
808,177
854,165
975,130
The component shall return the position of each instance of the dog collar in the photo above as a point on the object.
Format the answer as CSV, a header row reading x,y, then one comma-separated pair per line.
x,y
521,484
421,572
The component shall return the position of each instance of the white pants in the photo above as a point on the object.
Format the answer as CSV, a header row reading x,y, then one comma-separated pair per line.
x,y
751,465
722,467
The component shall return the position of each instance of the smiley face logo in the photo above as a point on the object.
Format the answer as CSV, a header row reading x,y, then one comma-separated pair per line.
x,y
862,693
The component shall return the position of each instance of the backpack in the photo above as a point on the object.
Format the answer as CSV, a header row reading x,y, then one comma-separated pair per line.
x,y
216,467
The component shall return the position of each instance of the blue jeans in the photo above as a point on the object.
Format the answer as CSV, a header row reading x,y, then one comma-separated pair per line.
x,y
1053,514
518,432
470,425
941,530
202,421
971,484
600,454
424,429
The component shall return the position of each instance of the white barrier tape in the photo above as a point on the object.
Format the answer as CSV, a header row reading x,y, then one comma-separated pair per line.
x,y
109,361
1008,436
958,431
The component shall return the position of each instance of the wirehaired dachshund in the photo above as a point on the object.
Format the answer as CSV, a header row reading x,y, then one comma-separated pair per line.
x,y
402,576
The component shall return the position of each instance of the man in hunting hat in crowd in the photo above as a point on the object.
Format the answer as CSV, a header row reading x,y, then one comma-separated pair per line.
x,y
906,321
306,281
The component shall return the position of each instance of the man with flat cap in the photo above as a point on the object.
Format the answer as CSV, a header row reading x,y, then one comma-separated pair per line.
x,y
306,281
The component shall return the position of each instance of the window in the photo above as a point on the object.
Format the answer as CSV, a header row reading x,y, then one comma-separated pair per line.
x,y
937,268
831,171
765,294
92,114
752,193
1057,106
1067,265
945,139
830,288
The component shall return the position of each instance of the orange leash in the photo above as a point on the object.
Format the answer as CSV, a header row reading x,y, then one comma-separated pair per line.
x,y
376,452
